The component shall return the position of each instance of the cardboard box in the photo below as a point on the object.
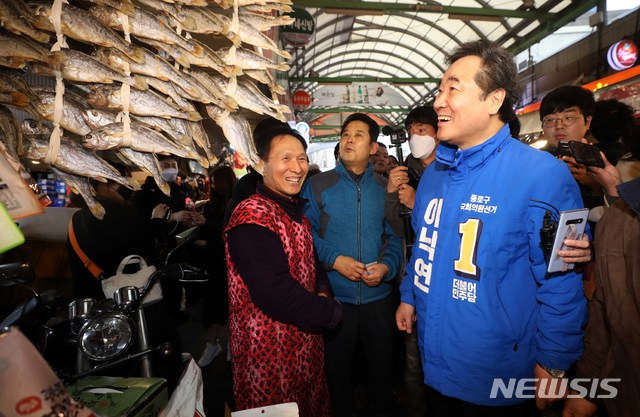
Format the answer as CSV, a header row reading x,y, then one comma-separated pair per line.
x,y
121,397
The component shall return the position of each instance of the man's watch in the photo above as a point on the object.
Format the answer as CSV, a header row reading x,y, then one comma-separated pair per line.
x,y
556,373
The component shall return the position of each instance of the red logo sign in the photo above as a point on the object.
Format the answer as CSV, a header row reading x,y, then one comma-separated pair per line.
x,y
28,405
301,100
622,55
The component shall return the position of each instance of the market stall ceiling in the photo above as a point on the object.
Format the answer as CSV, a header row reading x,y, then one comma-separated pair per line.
x,y
403,44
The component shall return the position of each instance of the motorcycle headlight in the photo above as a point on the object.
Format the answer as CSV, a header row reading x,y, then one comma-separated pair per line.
x,y
106,336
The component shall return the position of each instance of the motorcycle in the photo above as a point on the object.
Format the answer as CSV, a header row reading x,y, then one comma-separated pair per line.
x,y
115,331
96,337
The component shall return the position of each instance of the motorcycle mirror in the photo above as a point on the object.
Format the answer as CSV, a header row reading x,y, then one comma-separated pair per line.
x,y
182,238
185,273
186,236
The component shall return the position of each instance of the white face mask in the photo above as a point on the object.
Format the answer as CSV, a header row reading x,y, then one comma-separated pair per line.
x,y
170,174
421,146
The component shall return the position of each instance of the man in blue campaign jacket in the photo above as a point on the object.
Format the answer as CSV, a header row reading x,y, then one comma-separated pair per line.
x,y
362,256
477,276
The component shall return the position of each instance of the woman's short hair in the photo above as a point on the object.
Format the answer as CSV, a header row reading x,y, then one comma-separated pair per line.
x,y
264,138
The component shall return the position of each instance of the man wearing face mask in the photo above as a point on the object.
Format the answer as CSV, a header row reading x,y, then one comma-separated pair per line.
x,y
421,124
150,196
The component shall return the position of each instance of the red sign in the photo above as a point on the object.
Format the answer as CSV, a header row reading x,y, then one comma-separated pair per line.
x,y
622,55
301,100
28,405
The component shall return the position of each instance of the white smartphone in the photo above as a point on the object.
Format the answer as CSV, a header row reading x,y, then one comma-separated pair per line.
x,y
368,265
571,225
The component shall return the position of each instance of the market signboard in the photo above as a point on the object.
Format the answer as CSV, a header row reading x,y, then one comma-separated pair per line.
x,y
359,95
301,30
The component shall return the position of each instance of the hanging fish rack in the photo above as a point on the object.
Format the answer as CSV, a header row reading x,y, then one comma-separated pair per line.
x,y
138,78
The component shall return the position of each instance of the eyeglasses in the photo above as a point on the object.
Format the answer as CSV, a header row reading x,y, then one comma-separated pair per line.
x,y
566,121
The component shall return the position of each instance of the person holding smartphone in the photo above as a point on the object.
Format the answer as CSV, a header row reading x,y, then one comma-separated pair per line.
x,y
566,114
487,310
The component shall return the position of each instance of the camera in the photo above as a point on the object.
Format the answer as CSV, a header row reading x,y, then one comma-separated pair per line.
x,y
398,136
583,153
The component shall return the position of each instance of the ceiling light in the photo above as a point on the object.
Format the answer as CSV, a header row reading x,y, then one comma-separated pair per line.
x,y
475,17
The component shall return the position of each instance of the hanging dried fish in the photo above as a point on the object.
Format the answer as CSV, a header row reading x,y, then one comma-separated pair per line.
x,y
149,163
10,132
80,185
14,16
143,139
142,103
81,25
246,59
237,130
80,67
16,51
144,25
75,159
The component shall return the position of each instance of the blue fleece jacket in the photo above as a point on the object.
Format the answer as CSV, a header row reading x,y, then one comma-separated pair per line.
x,y
477,276
348,219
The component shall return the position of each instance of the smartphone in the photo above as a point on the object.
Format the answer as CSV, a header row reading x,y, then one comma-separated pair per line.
x,y
563,148
571,225
167,214
583,153
368,265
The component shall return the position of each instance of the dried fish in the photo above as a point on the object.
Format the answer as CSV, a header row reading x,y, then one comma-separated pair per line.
x,y
144,25
143,139
264,77
72,110
202,139
77,66
154,66
96,118
209,58
141,103
81,186
75,159
217,86
251,35
124,6
80,25
149,163
16,51
250,60
176,129
14,18
236,129
264,22
10,133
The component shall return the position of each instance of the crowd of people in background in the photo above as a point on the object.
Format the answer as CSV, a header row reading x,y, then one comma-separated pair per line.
x,y
316,275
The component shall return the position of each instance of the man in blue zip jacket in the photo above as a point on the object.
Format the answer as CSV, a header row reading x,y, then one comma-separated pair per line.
x,y
362,256
490,317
